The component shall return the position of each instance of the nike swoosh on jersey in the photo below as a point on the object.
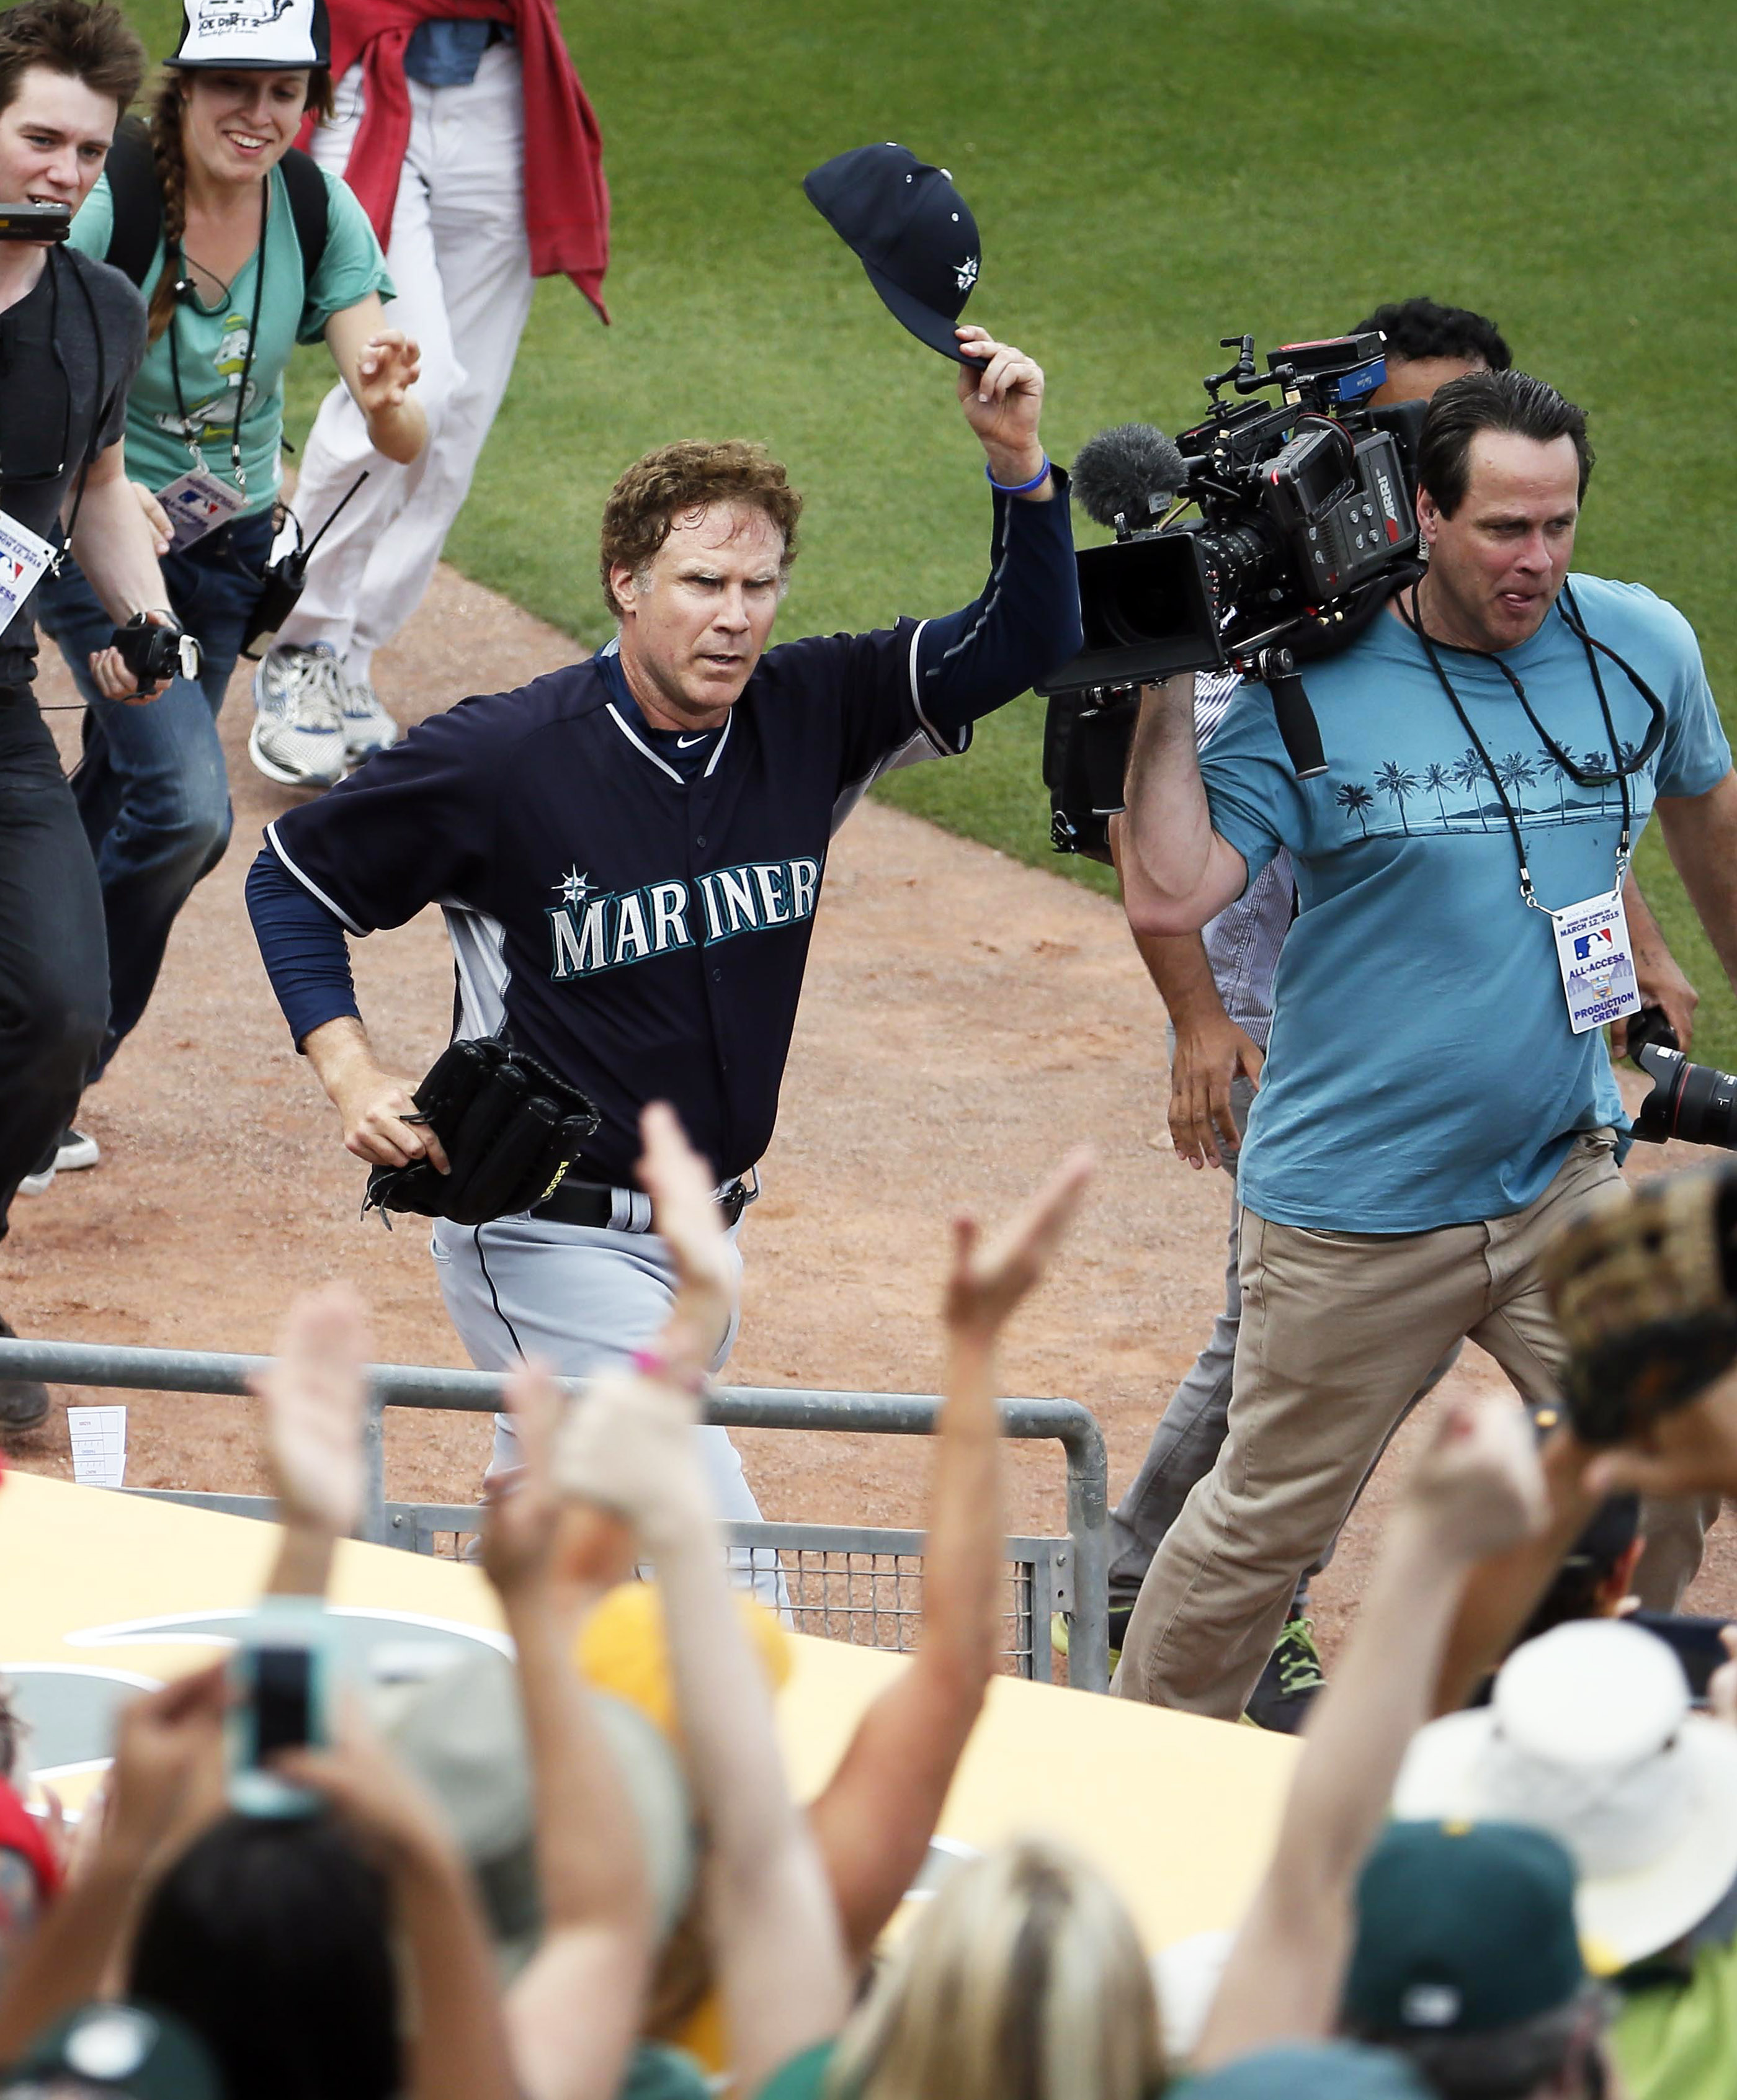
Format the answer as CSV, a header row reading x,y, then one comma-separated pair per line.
x,y
683,742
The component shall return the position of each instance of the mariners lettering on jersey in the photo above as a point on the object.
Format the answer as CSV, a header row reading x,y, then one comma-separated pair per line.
x,y
591,931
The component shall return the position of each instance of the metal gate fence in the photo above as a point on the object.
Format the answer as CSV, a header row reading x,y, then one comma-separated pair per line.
x,y
1068,1575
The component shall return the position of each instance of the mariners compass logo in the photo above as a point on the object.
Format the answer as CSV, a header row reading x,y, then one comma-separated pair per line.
x,y
966,273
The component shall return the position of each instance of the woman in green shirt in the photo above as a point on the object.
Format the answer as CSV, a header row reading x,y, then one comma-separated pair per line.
x,y
229,298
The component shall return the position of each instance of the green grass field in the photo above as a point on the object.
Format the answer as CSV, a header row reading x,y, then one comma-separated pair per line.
x,y
1148,177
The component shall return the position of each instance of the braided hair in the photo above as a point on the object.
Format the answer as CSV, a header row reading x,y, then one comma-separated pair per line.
x,y
169,153
168,150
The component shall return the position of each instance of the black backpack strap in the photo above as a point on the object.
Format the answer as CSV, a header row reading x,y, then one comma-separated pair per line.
x,y
137,198
309,208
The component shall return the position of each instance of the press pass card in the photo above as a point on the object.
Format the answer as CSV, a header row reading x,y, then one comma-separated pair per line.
x,y
24,559
1598,966
197,504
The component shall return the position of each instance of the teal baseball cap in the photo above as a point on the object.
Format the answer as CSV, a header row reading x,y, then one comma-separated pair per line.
x,y
116,2048
1462,1927
1309,2071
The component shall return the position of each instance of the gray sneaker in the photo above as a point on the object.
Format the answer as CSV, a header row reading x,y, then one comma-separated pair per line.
x,y
368,727
298,737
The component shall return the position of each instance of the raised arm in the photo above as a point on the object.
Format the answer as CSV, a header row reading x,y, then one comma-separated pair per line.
x,y
1176,871
1476,1491
774,1931
874,1820
1501,1593
161,1741
573,2014
315,1395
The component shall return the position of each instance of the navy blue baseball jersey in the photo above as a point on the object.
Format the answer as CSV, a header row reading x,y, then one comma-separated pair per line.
x,y
634,905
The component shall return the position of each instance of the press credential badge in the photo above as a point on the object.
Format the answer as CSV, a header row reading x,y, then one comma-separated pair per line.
x,y
1597,963
24,560
198,503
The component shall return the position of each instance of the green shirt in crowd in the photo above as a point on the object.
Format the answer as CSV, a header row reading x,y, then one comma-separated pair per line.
x,y
211,342
1678,2042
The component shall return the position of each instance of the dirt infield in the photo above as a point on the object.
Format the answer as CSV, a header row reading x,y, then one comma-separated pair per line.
x,y
966,1018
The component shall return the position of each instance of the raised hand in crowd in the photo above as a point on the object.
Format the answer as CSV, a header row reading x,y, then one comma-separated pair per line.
x,y
1477,1490
875,1818
315,1396
459,2050
573,2013
775,1932
166,1780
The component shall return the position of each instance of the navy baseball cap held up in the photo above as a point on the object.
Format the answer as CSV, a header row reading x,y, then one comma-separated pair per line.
x,y
913,232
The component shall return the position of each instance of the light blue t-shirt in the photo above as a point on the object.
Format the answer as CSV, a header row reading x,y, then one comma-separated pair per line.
x,y
211,342
1422,1070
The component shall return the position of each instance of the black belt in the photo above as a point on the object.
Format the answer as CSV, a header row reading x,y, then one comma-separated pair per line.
x,y
589,1203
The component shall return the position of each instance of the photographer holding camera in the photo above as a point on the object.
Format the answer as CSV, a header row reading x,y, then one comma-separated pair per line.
x,y
72,335
1437,1088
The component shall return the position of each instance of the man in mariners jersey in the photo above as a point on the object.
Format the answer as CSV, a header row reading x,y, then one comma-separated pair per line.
x,y
629,852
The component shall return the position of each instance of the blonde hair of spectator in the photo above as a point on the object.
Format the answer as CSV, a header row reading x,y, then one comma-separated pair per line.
x,y
1024,1976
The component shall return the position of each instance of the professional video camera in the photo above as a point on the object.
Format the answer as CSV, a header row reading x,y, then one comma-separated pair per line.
x,y
1306,524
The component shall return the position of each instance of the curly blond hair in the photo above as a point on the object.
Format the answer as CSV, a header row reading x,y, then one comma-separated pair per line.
x,y
682,479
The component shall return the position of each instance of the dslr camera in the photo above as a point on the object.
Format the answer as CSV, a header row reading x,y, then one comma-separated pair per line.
x,y
1697,1103
1306,523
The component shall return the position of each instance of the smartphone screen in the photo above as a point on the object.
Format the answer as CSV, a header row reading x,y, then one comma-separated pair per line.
x,y
1696,1641
283,1678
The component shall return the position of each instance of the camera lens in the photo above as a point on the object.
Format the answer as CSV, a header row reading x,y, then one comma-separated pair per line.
x,y
1697,1103
1706,1108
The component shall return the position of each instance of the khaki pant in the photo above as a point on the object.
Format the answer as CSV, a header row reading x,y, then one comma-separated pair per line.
x,y
1338,1331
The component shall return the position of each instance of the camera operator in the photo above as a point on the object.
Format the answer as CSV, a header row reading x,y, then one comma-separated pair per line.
x,y
72,335
1427,1108
1217,989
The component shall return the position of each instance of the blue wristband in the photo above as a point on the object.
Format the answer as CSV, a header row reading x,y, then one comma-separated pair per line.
x,y
1024,487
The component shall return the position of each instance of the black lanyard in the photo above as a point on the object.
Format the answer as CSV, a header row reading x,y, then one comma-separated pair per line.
x,y
1619,770
236,466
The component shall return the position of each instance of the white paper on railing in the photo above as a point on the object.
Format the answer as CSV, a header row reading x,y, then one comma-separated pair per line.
x,y
98,1436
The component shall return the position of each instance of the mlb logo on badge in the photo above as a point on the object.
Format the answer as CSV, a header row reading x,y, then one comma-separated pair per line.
x,y
260,35
1589,944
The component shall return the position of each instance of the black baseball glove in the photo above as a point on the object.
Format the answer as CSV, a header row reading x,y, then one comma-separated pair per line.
x,y
509,1129
1644,1283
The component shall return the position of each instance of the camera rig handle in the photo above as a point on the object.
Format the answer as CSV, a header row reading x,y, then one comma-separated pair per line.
x,y
1300,733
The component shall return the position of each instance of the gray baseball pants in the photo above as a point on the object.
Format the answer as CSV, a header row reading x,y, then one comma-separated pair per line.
x,y
582,1300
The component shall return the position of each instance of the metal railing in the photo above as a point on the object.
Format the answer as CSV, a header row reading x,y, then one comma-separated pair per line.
x,y
730,1407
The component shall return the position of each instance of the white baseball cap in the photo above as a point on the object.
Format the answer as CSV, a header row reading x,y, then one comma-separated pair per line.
x,y
254,36
1591,1736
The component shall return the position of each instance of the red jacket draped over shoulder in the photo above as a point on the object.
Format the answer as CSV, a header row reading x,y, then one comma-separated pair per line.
x,y
566,200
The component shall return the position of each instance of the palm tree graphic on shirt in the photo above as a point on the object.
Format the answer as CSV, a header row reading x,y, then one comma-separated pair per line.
x,y
1516,772
1393,780
1435,777
1354,799
1468,773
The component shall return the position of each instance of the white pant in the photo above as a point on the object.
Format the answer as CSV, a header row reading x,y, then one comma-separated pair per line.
x,y
582,1300
462,264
